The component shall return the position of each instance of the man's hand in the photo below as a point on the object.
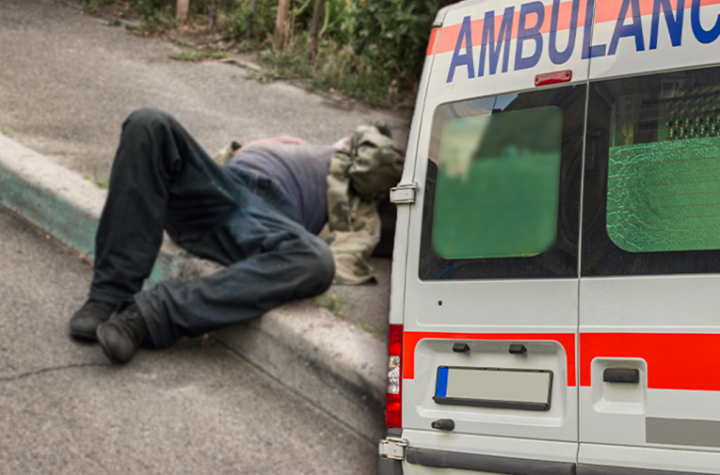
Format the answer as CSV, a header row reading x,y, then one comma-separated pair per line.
x,y
286,139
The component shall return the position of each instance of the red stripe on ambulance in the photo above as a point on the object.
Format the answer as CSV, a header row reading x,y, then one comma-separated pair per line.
x,y
607,10
674,361
411,340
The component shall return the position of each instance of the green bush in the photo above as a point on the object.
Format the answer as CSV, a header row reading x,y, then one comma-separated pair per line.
x,y
394,34
236,17
93,5
372,49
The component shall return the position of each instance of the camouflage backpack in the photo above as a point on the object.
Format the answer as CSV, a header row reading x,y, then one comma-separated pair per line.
x,y
357,181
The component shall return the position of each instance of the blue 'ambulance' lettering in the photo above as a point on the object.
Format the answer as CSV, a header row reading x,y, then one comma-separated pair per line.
x,y
556,56
633,29
587,50
467,58
529,34
703,36
674,22
503,41
529,39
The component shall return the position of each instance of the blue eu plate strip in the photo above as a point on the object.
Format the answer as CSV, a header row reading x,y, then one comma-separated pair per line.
x,y
442,381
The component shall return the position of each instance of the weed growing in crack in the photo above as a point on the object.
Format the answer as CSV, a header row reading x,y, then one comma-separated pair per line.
x,y
199,55
335,304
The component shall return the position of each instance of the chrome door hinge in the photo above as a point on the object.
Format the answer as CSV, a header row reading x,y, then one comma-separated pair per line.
x,y
392,448
404,193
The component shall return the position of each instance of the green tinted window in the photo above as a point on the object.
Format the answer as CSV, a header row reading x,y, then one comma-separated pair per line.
x,y
498,184
664,171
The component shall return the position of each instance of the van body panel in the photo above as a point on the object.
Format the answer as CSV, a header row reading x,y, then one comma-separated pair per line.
x,y
441,306
648,299
545,317
397,296
679,304
432,352
552,302
667,328
676,460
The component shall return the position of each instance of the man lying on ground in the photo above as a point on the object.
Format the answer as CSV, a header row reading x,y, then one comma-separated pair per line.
x,y
259,215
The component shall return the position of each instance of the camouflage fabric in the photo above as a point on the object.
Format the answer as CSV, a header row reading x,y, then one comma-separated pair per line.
x,y
226,154
357,182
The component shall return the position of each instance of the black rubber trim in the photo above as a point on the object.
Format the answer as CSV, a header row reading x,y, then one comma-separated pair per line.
x,y
522,406
389,467
461,348
486,463
583,469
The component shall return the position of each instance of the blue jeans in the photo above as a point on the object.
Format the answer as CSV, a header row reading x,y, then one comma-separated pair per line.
x,y
162,179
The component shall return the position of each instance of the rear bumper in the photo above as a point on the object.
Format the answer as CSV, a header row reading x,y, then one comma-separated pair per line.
x,y
486,463
389,467
441,459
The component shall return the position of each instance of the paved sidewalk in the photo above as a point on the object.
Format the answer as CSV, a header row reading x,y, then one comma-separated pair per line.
x,y
195,408
67,82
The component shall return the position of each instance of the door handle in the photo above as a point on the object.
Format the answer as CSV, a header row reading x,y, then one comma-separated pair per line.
x,y
621,375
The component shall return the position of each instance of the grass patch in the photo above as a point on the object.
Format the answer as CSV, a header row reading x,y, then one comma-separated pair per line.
x,y
335,304
7,132
199,55
93,5
374,331
104,184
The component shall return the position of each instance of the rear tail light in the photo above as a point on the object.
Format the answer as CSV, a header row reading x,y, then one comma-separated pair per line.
x,y
393,410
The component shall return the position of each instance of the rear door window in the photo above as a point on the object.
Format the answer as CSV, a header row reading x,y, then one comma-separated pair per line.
x,y
652,203
497,190
502,188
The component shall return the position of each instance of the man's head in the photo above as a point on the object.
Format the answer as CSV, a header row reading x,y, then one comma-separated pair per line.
x,y
384,130
377,163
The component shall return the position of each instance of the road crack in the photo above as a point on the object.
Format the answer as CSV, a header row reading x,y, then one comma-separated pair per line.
x,y
52,369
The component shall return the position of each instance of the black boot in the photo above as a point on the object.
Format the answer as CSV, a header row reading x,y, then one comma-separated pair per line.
x,y
122,335
83,325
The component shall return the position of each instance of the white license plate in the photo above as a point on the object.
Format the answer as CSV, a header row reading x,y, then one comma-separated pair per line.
x,y
528,390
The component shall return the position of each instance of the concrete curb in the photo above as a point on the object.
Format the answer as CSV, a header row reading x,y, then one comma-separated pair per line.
x,y
336,366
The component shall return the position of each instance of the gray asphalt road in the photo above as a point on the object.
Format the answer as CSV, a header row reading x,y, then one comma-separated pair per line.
x,y
67,82
195,408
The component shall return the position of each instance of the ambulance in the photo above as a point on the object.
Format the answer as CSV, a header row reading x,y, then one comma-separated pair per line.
x,y
555,301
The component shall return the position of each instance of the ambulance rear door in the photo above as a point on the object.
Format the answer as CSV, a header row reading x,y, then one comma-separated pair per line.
x,y
650,286
491,296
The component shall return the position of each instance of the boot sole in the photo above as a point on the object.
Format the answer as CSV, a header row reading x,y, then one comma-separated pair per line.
x,y
87,337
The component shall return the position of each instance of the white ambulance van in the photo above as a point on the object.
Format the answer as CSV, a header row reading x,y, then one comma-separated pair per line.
x,y
555,299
